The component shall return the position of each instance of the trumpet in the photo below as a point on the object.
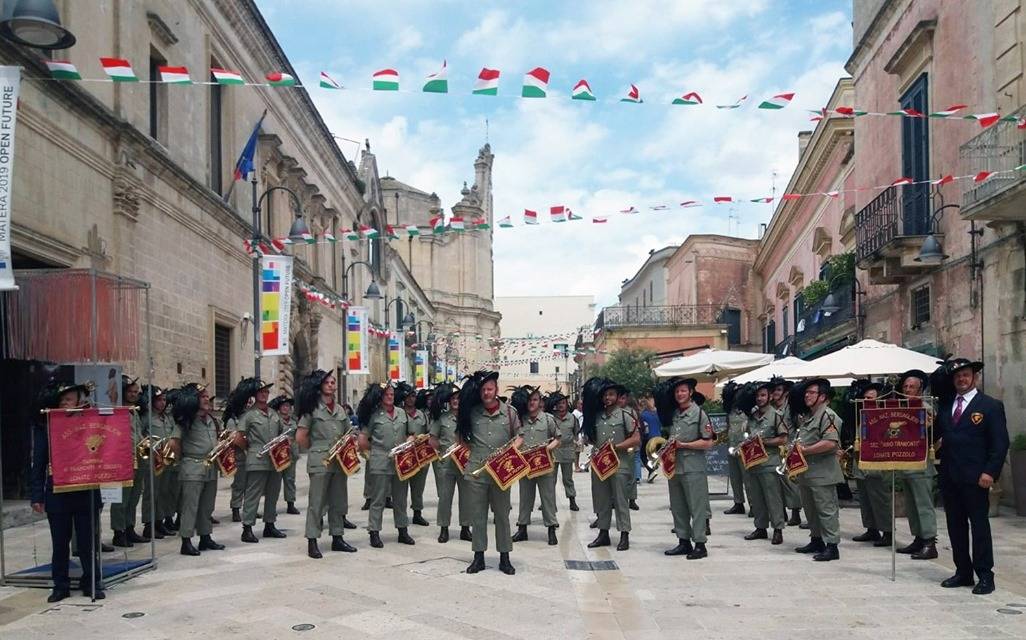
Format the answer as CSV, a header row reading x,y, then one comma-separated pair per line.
x,y
143,449
224,442
493,455
451,450
272,443
847,459
338,444
736,451
782,468
409,444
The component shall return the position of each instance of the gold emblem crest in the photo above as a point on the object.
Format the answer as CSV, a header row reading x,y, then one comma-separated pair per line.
x,y
93,442
976,417
894,430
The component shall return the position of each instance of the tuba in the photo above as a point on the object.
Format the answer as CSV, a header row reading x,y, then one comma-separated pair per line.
x,y
654,447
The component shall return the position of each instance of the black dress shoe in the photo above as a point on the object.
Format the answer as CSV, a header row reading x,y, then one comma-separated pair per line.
x,y
815,546
521,534
149,532
778,537
466,535
758,534
135,537
347,524
928,552
795,519
188,549
625,541
914,547
601,541
312,550
375,539
884,541
594,524
478,563
207,544
683,548
338,543
366,505
59,594
121,540
552,536
419,520
828,554
214,520
737,509
573,505
271,531
504,564
236,516
98,594
292,510
443,535
388,503
160,530
633,504
869,535
984,586
699,552
404,537
106,548
248,535
958,581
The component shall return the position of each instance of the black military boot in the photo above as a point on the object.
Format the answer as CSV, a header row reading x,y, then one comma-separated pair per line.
x,y
443,535
170,525
404,536
870,535
552,536
236,516
188,549
601,541
928,552
121,540
884,541
699,552
149,533
682,549
366,505
419,520
625,541
132,536
271,531
815,546
827,554
207,544
161,530
178,521
796,518
338,543
573,505
346,524
466,535
521,534
737,509
758,534
247,534
478,563
633,504
505,565
914,547
375,539
594,524
388,502
312,550
292,510
778,537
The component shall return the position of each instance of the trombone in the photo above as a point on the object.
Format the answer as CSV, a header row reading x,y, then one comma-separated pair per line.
x,y
272,443
492,456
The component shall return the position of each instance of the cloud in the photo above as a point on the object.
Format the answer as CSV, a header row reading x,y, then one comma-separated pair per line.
x,y
404,40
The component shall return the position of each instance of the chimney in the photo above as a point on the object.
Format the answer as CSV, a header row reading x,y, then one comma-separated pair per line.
x,y
803,142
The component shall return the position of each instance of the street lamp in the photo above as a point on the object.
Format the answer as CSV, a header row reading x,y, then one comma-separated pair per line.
x,y
34,23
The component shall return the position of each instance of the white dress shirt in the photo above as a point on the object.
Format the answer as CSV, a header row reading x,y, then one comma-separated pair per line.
x,y
967,397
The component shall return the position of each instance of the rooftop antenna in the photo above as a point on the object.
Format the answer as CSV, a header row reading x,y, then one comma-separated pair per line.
x,y
486,130
773,178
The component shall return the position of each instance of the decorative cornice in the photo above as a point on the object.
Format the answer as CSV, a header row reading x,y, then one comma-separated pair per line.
x,y
160,29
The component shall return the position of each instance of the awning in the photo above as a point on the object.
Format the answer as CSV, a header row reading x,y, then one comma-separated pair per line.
x,y
867,358
713,363
780,368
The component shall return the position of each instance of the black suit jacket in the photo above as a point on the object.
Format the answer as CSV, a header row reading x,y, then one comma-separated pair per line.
x,y
976,444
41,482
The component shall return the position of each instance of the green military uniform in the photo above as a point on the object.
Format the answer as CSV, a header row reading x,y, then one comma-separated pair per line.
x,y
328,483
199,480
817,485
565,456
288,476
689,485
922,517
385,432
613,493
239,479
169,482
635,456
874,489
538,431
418,426
737,423
788,487
489,431
122,514
764,490
260,426
447,474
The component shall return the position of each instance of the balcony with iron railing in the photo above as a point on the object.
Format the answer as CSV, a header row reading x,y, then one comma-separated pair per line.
x,y
829,321
999,148
890,231
657,316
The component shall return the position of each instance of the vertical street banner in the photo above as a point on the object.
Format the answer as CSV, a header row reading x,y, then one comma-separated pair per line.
x,y
275,304
420,369
893,438
450,373
356,341
438,372
394,369
10,85
90,447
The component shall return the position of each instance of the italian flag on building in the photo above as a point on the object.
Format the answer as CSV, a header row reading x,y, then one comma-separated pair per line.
x,y
327,82
536,83
174,75
62,70
412,230
368,232
582,91
329,237
391,232
226,77
438,224
456,223
778,101
438,82
350,234
385,80
279,79
118,69
487,83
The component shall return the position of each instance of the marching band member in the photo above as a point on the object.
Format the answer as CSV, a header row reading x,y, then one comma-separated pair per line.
x,y
195,434
443,410
778,398
558,405
122,514
605,421
283,405
922,517
384,426
231,416
321,423
167,487
764,491
486,425
691,431
415,405
537,428
817,438
625,402
873,486
258,426
737,423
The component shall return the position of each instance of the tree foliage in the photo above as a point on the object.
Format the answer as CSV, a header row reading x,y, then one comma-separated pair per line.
x,y
632,368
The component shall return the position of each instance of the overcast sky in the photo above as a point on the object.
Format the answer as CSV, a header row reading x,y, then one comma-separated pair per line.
x,y
596,158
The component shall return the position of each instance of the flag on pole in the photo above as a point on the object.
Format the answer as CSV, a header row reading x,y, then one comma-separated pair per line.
x,y
582,91
487,83
412,230
226,77
778,101
386,80
174,75
245,163
438,82
327,82
280,79
633,95
505,223
536,83
736,105
688,98
118,69
558,214
530,217
62,70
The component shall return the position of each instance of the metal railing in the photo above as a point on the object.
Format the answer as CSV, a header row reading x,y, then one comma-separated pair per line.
x,y
815,322
1001,147
661,316
896,212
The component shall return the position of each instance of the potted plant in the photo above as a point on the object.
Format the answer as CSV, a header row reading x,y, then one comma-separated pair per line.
x,y
1018,460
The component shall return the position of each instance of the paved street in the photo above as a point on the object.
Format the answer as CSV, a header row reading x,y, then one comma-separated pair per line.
x,y
743,590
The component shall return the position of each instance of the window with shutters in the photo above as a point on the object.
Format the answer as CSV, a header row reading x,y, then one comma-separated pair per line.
x,y
919,306
222,360
534,367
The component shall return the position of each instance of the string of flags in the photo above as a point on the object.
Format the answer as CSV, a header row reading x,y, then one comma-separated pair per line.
x,y
535,85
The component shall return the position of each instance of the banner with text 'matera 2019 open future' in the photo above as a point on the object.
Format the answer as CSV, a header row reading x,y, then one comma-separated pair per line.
x,y
420,358
394,357
356,341
10,85
275,304
90,447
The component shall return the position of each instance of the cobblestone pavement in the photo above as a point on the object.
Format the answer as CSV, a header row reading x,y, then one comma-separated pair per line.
x,y
742,590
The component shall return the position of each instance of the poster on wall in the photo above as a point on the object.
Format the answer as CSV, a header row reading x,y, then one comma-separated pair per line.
x,y
420,369
104,381
394,369
275,304
356,341
10,85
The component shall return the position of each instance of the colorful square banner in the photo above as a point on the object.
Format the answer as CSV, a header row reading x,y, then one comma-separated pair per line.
x,y
275,304
356,341
420,369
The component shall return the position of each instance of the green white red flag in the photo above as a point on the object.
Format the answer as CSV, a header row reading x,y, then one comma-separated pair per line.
x,y
174,75
582,91
62,70
688,99
368,232
530,217
985,119
633,95
736,105
950,111
505,223
280,79
385,80
412,230
118,69
456,223
438,82
226,77
778,101
327,82
558,214
438,224
536,83
487,83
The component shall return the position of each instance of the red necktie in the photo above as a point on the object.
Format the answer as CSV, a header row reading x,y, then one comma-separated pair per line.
x,y
958,410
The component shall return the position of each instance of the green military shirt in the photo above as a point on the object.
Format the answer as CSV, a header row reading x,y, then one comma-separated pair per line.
x,y
385,432
260,428
326,427
137,428
286,425
568,428
617,426
767,425
784,415
690,425
737,424
418,422
490,431
161,425
824,468
537,431
444,429
197,443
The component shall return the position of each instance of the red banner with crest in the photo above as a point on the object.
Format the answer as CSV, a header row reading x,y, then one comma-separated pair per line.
x,y
668,458
90,447
426,454
507,467
753,452
539,461
605,462
893,438
461,457
281,455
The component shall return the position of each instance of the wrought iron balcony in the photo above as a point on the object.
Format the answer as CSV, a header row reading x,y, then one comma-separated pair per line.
x,y
661,316
818,327
1001,147
890,230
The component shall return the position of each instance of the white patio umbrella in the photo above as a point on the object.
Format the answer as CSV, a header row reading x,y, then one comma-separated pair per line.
x,y
713,363
780,368
867,358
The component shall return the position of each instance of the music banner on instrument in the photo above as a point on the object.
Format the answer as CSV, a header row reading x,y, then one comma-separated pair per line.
x,y
406,464
356,341
668,459
893,438
539,461
10,86
227,462
394,369
795,463
420,358
348,456
426,454
275,304
753,452
281,455
507,467
90,447
605,462
461,457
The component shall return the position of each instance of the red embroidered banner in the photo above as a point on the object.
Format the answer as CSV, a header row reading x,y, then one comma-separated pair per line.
x,y
507,467
753,452
281,455
539,461
461,457
406,465
893,438
426,454
348,456
90,447
605,462
227,462
668,458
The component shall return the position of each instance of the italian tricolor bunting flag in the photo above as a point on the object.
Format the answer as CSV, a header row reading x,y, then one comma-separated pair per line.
x,y
327,82
985,119
385,80
688,98
118,69
438,82
62,70
582,91
456,223
279,79
487,83
174,75
536,83
950,111
391,232
412,230
438,224
505,223
226,77
530,217
350,234
633,95
558,213
778,101
368,232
